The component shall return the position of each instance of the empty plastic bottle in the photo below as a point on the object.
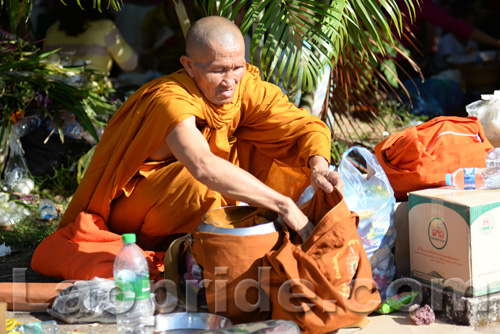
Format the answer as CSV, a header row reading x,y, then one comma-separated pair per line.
x,y
134,306
27,125
47,209
45,327
72,128
474,178
493,158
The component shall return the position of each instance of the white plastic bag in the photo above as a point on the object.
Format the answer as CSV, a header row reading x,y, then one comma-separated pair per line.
x,y
372,198
16,167
86,301
487,110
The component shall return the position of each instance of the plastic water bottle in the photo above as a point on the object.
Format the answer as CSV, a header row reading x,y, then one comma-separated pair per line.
x,y
45,327
27,125
72,128
474,178
134,307
47,209
493,158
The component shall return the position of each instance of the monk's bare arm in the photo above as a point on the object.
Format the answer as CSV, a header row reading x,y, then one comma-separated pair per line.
x,y
191,149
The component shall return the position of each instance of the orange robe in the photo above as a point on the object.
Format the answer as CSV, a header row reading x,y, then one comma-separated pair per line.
x,y
261,131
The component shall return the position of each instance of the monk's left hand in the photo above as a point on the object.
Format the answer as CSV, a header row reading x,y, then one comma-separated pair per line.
x,y
326,180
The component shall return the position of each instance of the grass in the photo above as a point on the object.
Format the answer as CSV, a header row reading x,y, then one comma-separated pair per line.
x,y
61,184
28,233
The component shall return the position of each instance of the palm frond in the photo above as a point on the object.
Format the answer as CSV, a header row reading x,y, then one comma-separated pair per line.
x,y
294,39
18,11
366,74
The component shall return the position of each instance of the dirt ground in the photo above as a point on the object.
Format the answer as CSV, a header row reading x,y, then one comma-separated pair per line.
x,y
18,264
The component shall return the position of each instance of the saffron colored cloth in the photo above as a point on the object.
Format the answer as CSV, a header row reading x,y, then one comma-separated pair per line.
x,y
420,156
100,44
324,283
261,131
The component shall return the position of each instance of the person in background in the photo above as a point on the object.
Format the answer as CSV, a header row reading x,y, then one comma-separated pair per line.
x,y
42,17
127,18
429,12
163,39
88,37
453,50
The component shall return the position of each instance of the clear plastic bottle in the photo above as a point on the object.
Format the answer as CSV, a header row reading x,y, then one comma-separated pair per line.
x,y
27,125
47,209
474,178
45,327
493,158
72,128
134,306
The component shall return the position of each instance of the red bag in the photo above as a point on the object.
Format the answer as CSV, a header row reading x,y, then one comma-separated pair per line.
x,y
420,156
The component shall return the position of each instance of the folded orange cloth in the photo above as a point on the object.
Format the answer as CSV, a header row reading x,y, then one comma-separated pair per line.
x,y
33,297
420,156
84,250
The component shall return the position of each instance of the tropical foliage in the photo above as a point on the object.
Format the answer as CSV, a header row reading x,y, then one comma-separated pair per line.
x,y
295,42
32,83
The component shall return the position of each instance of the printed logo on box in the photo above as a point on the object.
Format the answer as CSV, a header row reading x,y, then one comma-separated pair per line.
x,y
438,233
486,224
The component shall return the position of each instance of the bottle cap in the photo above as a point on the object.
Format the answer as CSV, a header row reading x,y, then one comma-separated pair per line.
x,y
128,238
448,179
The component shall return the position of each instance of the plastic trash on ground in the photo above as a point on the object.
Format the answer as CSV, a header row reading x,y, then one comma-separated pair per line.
x,y
10,212
5,250
493,158
45,327
395,303
86,301
16,167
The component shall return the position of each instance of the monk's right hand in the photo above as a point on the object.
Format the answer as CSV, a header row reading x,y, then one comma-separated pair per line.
x,y
297,221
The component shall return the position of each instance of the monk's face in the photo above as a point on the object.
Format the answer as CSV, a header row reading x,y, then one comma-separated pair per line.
x,y
217,70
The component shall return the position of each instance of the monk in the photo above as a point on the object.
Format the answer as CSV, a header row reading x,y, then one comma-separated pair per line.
x,y
209,135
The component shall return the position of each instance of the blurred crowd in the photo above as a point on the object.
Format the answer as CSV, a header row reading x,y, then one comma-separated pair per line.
x,y
456,44
138,43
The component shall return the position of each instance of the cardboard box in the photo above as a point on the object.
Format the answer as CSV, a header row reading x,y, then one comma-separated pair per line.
x,y
455,239
3,317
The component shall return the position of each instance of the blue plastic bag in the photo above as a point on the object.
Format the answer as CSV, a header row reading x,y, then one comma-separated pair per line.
x,y
368,192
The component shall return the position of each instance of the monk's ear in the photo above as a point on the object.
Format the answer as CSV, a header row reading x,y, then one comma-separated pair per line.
x,y
188,65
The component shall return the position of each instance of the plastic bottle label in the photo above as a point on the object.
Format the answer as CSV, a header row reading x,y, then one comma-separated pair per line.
x,y
469,178
132,287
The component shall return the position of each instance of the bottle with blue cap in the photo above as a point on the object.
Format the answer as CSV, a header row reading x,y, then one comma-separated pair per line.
x,y
474,178
47,209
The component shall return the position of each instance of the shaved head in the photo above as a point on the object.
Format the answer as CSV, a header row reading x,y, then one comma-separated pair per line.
x,y
215,58
211,33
